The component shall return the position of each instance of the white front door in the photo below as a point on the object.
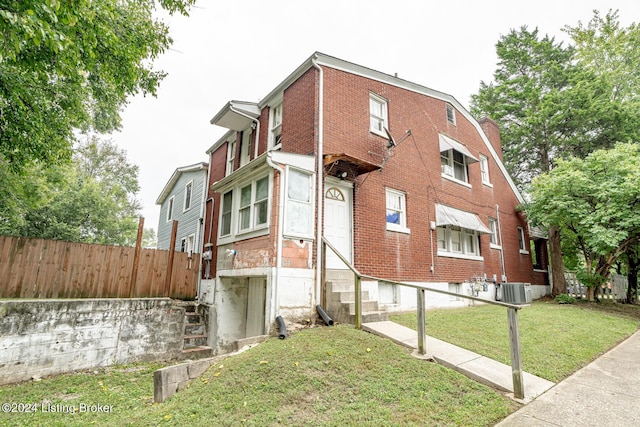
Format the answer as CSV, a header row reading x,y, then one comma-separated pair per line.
x,y
338,215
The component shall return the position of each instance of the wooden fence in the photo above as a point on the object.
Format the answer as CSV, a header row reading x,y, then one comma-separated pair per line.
x,y
36,268
615,289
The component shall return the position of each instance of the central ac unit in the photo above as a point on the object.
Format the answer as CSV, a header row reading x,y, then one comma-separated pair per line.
x,y
516,293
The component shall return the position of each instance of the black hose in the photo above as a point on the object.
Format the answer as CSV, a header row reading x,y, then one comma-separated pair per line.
x,y
324,315
281,327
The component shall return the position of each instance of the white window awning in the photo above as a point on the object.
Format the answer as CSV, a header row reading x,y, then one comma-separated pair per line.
x,y
446,215
447,143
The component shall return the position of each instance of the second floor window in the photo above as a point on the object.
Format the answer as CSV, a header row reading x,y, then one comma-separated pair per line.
x,y
378,114
170,209
231,156
187,196
454,164
484,169
275,138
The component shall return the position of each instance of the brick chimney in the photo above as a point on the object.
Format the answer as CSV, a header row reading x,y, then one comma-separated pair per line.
x,y
492,131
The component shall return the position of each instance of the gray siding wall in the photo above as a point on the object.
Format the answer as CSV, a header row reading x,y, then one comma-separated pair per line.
x,y
188,221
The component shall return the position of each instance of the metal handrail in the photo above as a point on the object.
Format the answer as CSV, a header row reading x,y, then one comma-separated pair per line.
x,y
512,315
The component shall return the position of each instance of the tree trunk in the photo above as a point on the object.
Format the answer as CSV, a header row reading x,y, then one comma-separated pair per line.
x,y
557,265
632,276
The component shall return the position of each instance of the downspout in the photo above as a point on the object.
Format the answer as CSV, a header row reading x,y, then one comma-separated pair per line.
x,y
257,122
504,272
319,173
270,162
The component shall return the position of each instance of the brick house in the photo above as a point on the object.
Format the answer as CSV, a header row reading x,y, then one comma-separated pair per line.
x,y
408,186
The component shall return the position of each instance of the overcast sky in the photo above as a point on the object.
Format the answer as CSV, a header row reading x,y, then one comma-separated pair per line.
x,y
242,49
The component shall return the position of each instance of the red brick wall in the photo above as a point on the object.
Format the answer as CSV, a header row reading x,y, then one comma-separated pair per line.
x,y
414,168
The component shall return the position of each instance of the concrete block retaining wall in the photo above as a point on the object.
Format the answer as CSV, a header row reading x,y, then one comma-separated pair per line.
x,y
46,337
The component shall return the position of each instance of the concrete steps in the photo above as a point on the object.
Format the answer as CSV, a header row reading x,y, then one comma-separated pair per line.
x,y
340,300
195,333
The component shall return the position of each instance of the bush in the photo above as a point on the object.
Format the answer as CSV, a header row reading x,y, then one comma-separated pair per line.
x,y
565,299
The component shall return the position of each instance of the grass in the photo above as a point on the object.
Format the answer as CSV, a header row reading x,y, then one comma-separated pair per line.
x,y
321,376
556,339
341,376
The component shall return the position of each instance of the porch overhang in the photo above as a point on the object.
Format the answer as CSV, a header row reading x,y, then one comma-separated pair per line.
x,y
447,143
446,215
339,164
237,115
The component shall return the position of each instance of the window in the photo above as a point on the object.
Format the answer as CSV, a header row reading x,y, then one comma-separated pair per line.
x,y
275,136
396,211
523,249
454,164
187,244
299,208
187,196
484,169
451,114
245,149
227,208
231,155
493,237
458,242
170,209
252,211
245,210
378,114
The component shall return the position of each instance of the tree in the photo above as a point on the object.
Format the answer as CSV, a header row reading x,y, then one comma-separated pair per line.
x,y
94,200
526,100
550,104
149,238
595,202
67,66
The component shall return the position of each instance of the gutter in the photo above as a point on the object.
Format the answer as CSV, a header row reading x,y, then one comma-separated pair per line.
x,y
319,174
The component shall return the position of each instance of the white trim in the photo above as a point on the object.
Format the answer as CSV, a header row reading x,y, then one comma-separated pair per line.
x,y
459,256
402,227
273,127
383,119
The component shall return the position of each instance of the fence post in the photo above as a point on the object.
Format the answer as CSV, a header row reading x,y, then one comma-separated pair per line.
x,y
422,319
172,251
358,302
136,259
516,359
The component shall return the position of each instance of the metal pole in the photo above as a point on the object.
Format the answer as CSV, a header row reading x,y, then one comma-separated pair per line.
x,y
358,302
422,329
516,359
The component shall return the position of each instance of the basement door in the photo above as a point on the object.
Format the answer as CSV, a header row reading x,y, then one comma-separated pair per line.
x,y
338,218
256,298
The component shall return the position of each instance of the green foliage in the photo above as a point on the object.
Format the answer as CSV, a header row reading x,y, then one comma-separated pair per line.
x,y
68,66
93,201
565,299
594,201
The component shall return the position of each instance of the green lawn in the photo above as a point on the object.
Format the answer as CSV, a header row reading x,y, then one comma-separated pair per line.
x,y
555,339
339,376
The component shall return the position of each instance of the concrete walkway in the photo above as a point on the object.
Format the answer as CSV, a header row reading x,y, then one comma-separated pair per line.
x,y
479,368
604,393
